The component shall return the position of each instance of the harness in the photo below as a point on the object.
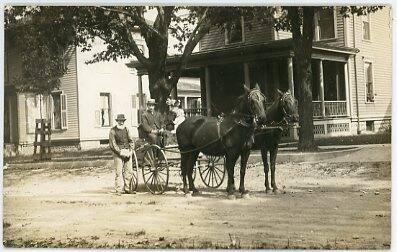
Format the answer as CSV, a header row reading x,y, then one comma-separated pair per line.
x,y
281,125
240,122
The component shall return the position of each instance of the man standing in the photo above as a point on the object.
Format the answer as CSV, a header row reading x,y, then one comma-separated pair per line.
x,y
121,144
151,124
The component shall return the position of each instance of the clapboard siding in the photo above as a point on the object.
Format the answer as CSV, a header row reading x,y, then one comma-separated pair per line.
x,y
283,35
214,39
69,87
258,33
253,34
378,51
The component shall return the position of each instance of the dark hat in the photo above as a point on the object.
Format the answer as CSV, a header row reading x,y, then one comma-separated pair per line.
x,y
151,101
120,117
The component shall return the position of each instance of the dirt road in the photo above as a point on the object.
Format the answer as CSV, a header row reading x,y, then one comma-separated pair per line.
x,y
320,205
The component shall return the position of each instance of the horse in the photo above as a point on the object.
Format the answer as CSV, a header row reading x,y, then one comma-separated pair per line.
x,y
282,112
223,136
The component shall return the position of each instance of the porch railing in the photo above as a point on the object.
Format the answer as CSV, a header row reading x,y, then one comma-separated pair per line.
x,y
188,112
195,111
332,108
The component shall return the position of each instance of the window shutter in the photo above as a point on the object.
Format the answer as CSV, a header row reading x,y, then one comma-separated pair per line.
x,y
64,112
110,111
144,101
97,118
133,99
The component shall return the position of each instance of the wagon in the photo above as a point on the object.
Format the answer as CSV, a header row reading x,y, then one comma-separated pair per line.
x,y
155,164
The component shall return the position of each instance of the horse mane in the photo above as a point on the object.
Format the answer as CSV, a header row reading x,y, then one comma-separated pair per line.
x,y
272,113
241,104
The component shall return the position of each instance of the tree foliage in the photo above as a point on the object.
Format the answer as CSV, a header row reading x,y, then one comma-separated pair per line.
x,y
47,31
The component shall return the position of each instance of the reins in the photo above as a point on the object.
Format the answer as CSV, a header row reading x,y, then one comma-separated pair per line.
x,y
240,123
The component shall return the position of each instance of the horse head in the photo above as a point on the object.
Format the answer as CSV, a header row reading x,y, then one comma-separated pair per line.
x,y
255,103
289,107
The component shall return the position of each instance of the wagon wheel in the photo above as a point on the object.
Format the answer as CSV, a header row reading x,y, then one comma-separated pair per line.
x,y
155,169
134,177
213,172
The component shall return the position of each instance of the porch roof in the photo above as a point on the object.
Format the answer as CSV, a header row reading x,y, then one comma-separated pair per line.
x,y
252,52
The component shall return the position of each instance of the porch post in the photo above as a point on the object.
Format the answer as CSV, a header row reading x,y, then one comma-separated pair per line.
x,y
337,84
293,131
291,76
247,75
208,90
321,81
347,88
140,91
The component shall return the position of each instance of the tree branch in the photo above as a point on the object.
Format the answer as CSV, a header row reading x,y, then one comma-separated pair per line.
x,y
198,33
141,22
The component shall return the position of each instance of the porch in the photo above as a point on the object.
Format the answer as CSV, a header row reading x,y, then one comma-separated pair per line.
x,y
223,73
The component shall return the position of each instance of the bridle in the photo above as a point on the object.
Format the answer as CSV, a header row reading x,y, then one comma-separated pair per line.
x,y
250,98
287,118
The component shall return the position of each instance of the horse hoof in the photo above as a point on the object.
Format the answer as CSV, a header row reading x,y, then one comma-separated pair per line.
x,y
245,196
231,197
267,190
275,191
196,193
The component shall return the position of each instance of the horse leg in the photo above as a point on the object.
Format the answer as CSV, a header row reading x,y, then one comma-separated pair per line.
x,y
265,168
191,162
243,166
230,163
273,157
184,158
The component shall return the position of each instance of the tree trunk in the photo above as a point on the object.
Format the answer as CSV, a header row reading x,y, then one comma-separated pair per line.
x,y
303,43
159,85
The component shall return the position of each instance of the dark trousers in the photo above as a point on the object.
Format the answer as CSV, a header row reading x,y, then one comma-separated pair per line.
x,y
158,139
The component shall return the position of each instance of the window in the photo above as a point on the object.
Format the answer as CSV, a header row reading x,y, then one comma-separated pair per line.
x,y
235,32
326,24
105,110
366,28
59,110
369,82
370,125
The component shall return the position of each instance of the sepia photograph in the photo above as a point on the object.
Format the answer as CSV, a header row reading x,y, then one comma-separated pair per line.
x,y
197,127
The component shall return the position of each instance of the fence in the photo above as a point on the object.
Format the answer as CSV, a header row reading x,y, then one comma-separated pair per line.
x,y
332,108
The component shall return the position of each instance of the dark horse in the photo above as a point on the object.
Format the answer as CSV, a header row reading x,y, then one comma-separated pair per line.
x,y
282,112
224,136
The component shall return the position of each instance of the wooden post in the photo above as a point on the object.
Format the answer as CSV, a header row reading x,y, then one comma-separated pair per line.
x,y
140,91
347,88
337,83
321,82
291,76
43,129
247,75
208,91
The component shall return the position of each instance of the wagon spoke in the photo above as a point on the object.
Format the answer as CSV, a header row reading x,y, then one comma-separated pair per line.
x,y
162,172
150,177
206,169
206,175
152,181
217,168
150,153
147,160
159,182
216,177
217,171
